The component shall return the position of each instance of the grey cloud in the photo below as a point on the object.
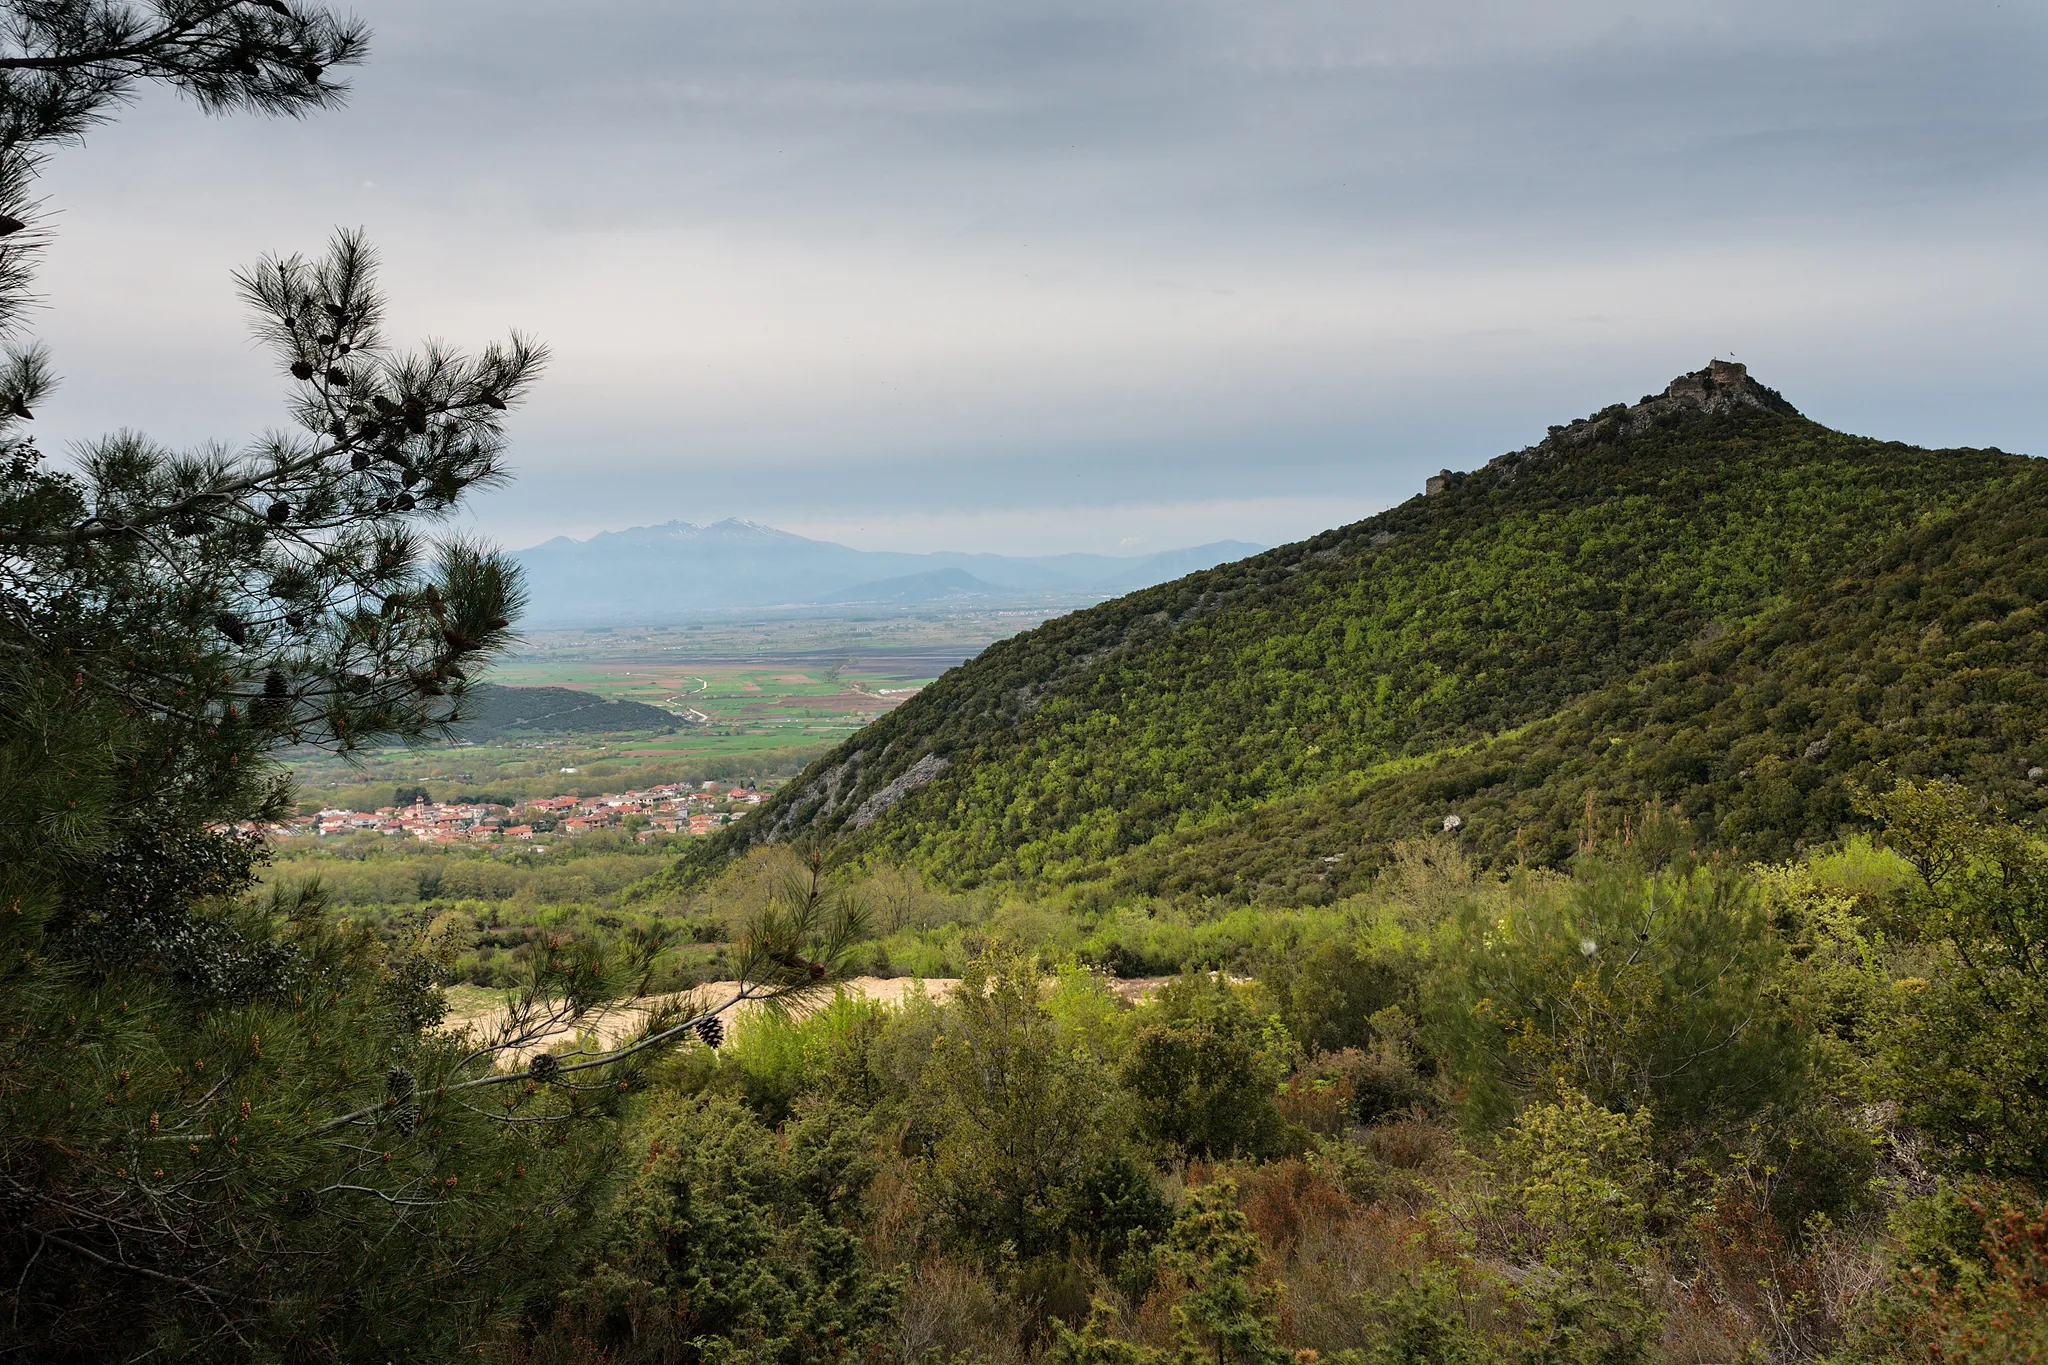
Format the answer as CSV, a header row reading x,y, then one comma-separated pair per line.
x,y
978,254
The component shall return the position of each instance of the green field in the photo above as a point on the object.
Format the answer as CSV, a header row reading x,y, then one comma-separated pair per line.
x,y
757,700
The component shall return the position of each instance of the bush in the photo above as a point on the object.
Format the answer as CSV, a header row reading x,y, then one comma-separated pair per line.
x,y
1995,1313
1633,989
730,1245
1018,1117
1969,1064
1203,1070
1327,994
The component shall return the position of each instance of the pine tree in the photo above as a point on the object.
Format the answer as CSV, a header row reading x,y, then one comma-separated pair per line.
x,y
229,1127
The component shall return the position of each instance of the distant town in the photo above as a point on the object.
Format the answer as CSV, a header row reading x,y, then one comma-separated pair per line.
x,y
676,808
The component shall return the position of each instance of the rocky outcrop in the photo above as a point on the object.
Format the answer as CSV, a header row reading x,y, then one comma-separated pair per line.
x,y
1722,389
905,782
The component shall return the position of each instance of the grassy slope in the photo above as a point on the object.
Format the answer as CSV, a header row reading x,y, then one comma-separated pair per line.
x,y
1106,743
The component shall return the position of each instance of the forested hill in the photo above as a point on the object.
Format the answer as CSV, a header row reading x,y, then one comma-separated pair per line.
x,y
1687,598
496,712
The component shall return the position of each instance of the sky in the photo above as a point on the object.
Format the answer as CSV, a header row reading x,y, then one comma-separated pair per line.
x,y
1036,277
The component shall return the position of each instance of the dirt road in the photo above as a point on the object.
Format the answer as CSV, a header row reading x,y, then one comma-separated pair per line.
x,y
477,1012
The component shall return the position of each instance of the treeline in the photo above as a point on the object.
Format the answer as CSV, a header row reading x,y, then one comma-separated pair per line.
x,y
508,777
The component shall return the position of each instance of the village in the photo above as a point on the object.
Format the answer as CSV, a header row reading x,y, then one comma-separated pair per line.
x,y
675,808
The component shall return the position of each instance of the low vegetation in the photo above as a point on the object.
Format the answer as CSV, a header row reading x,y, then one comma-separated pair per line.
x,y
1652,1109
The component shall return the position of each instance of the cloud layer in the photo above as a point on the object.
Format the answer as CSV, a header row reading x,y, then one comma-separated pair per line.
x,y
1053,276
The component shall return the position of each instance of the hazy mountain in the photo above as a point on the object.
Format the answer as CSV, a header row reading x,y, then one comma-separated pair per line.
x,y
934,585
652,574
1703,601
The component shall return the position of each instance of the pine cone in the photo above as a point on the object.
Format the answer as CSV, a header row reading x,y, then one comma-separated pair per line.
x,y
543,1067
280,512
337,377
360,460
301,370
274,686
230,625
711,1031
295,619
406,1120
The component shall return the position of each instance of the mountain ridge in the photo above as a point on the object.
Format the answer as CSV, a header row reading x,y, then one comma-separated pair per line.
x,y
1504,596
650,575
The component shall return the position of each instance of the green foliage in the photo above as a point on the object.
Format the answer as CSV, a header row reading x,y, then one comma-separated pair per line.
x,y
731,1245
1585,1177
1995,1312
516,712
1972,1063
1120,1218
778,1058
1837,968
1213,1252
1097,1344
1203,1069
1019,1118
1586,1184
277,1157
1926,659
1328,992
1424,1323
1259,728
1636,989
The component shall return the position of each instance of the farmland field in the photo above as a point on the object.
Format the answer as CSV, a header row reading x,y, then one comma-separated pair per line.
x,y
756,700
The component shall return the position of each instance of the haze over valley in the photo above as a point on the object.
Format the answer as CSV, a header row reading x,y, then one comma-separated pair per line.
x,y
659,575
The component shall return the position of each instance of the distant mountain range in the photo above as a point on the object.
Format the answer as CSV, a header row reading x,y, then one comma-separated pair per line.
x,y
650,575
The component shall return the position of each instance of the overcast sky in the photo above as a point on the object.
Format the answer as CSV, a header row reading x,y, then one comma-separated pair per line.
x,y
1095,274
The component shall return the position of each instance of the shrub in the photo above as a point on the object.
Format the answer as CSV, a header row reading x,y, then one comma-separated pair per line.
x,y
1993,1314
1019,1117
730,1245
1327,994
1586,1184
1634,990
1203,1070
1969,1064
